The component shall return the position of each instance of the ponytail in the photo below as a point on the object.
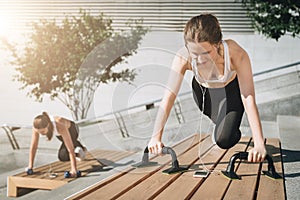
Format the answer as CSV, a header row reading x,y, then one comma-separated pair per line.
x,y
50,126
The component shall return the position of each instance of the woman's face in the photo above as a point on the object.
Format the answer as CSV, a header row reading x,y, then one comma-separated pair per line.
x,y
42,131
203,52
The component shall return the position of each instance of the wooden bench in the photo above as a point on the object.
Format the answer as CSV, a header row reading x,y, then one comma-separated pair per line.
x,y
41,179
151,183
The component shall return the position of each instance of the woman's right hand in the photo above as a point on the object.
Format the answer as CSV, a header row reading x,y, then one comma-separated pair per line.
x,y
155,146
29,170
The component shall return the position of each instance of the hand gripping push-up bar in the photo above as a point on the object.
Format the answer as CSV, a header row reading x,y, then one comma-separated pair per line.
x,y
229,173
165,150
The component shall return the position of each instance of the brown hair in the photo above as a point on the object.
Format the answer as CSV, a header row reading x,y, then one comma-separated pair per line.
x,y
42,121
203,28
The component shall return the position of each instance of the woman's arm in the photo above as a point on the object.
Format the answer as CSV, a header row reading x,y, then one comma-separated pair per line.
x,y
179,66
63,128
33,147
242,64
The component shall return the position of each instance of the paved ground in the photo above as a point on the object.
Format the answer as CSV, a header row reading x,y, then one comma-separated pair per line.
x,y
290,139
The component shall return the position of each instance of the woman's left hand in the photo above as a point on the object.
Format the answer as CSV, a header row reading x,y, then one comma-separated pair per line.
x,y
257,154
73,173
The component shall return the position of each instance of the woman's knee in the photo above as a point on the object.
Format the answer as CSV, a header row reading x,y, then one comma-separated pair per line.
x,y
63,155
226,141
227,132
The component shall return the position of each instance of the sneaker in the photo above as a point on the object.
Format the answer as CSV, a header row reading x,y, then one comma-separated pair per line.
x,y
80,154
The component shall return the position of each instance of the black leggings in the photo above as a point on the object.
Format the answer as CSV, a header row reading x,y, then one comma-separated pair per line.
x,y
63,153
225,108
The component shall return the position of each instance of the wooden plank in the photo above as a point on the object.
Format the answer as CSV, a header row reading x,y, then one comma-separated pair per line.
x,y
111,160
104,155
216,179
149,183
42,172
246,187
37,183
153,185
158,183
15,182
120,156
269,188
135,176
130,177
185,185
59,168
41,179
11,188
90,164
40,168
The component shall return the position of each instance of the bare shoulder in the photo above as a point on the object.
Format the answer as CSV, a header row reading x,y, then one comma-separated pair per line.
x,y
61,123
234,47
236,52
181,60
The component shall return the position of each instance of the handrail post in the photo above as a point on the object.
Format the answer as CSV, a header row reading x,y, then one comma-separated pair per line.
x,y
11,137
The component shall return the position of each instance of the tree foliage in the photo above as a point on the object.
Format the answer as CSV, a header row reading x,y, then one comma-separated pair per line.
x,y
275,18
68,60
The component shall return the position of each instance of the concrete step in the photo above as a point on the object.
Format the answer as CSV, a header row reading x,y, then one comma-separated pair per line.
x,y
278,93
273,87
269,128
289,127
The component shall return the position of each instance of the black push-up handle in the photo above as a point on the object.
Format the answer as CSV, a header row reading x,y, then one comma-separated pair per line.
x,y
244,156
165,150
169,150
67,174
145,160
175,165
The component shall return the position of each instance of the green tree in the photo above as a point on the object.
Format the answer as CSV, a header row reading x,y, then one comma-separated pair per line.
x,y
68,60
275,18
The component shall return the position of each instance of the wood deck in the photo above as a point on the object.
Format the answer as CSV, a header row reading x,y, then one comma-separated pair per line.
x,y
95,161
151,183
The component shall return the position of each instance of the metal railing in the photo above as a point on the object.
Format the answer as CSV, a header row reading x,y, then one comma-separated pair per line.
x,y
177,107
117,115
277,68
10,135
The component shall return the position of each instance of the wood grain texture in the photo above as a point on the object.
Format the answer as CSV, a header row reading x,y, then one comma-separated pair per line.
x,y
269,188
196,153
41,178
216,184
